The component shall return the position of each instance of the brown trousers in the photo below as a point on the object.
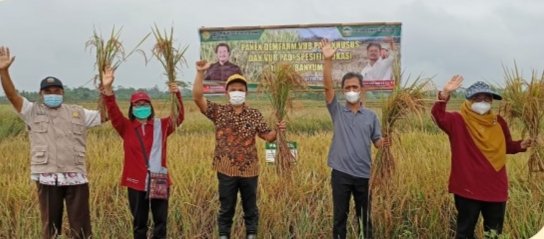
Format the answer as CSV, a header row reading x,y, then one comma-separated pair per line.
x,y
52,206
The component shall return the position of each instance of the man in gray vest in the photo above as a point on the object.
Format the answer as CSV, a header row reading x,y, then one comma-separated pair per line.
x,y
57,135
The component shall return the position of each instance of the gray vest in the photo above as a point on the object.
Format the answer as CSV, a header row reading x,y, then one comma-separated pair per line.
x,y
57,139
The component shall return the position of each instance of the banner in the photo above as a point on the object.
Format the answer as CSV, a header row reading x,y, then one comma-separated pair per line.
x,y
372,49
270,151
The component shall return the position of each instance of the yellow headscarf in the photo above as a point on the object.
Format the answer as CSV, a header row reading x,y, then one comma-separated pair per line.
x,y
487,134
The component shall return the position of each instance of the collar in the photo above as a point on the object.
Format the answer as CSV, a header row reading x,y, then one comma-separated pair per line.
x,y
230,107
360,110
136,123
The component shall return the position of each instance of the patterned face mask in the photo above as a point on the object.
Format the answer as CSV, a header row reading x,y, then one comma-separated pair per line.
x,y
237,97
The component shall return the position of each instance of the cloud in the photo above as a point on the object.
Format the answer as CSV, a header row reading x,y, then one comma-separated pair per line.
x,y
439,37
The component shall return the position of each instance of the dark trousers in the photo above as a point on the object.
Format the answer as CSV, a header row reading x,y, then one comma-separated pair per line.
x,y
468,212
52,206
139,208
343,186
228,194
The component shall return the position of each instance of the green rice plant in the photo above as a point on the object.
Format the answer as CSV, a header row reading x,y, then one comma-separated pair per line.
x,y
10,124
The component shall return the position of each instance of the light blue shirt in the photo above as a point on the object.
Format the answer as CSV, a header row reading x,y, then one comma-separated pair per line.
x,y
353,136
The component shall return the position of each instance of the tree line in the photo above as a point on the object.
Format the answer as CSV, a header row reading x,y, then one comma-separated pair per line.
x,y
81,94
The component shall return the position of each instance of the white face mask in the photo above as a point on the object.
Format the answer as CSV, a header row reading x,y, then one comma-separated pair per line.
x,y
237,97
481,107
352,96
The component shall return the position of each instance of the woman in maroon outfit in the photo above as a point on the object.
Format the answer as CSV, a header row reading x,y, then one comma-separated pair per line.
x,y
479,141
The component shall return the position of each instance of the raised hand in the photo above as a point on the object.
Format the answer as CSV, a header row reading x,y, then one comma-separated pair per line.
x,y
326,49
202,65
5,58
453,84
108,75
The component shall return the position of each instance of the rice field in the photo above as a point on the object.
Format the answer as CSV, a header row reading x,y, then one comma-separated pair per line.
x,y
420,206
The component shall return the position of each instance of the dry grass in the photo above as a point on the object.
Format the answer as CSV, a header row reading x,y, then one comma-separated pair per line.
x,y
404,101
524,101
279,82
422,207
109,52
172,59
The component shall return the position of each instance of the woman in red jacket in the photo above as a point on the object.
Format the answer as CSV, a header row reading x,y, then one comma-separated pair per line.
x,y
479,141
143,135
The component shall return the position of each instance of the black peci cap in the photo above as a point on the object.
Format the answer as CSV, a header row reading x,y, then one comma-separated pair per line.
x,y
50,81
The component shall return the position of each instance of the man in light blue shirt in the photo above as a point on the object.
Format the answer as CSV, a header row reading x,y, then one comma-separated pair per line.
x,y
355,130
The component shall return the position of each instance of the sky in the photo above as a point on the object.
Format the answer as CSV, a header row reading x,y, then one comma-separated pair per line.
x,y
440,38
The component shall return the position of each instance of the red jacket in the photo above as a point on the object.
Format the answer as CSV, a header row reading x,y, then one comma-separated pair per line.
x,y
472,175
134,166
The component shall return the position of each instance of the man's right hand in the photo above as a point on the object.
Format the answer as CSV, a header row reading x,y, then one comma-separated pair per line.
x,y
198,92
202,65
5,58
326,49
9,89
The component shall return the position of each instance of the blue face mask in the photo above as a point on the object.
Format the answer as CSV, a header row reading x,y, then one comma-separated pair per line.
x,y
141,112
52,100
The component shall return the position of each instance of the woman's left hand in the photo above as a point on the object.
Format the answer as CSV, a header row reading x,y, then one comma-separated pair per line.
x,y
526,143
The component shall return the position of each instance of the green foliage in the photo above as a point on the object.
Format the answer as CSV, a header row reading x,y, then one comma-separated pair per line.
x,y
10,124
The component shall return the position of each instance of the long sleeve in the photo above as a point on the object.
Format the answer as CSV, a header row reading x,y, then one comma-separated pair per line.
x,y
441,117
512,146
118,121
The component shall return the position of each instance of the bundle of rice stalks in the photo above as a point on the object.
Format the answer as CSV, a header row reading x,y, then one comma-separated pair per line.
x,y
404,100
524,100
109,53
172,59
279,82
